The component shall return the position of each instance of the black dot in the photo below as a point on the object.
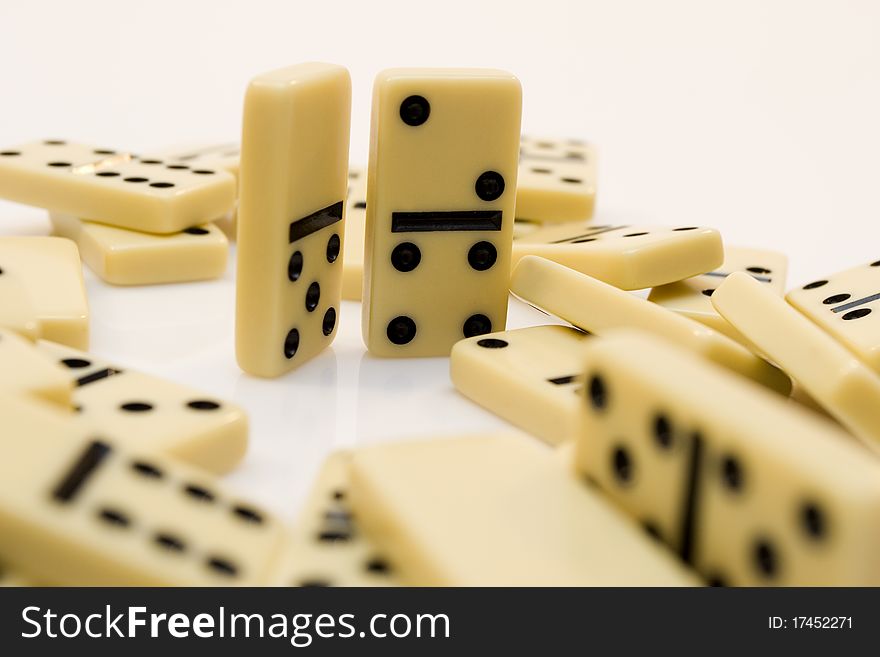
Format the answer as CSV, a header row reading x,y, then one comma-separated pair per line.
x,y
482,256
203,405
574,181
685,228
489,186
541,170
663,431
651,529
858,313
731,473
55,142
313,296
170,542
621,465
378,565
248,515
716,580
354,174
59,164
401,330
107,174
136,179
876,263
222,566
571,155
765,559
151,161
361,205
329,322
476,325
203,172
178,166
813,521
814,285
136,407
291,343
708,291
338,494
199,493
103,151
314,583
295,266
415,110
196,230
835,298
635,234
10,153
598,394
333,246
492,343
147,469
758,270
114,517
338,515
333,535
406,256
76,363
162,185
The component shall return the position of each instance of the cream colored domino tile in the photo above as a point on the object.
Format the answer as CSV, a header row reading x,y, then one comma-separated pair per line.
x,y
9,577
530,377
748,487
499,510
826,370
690,297
556,180
597,307
114,187
291,218
441,189
50,271
844,306
86,511
154,415
24,370
628,257
328,548
127,257
17,313
355,225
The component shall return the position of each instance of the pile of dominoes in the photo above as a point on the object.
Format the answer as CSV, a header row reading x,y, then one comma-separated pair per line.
x,y
716,432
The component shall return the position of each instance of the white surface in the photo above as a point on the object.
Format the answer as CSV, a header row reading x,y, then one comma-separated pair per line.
x,y
758,118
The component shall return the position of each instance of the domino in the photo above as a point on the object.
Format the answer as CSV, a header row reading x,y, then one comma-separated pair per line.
x,y
842,305
328,547
531,377
17,313
829,373
10,578
294,166
441,189
355,225
50,271
86,512
691,297
153,415
597,307
127,257
628,257
114,187
26,371
428,504
748,488
556,180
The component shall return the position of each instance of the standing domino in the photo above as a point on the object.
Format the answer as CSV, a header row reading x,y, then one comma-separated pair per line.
x,y
844,305
846,388
294,168
690,297
556,180
440,208
355,225
749,488
531,377
597,307
114,187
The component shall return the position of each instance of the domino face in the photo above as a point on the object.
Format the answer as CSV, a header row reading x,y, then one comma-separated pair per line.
x,y
846,388
597,307
628,257
291,228
50,271
198,156
440,208
26,371
531,377
152,415
844,305
17,313
86,512
556,180
114,187
428,504
355,225
748,488
127,257
329,549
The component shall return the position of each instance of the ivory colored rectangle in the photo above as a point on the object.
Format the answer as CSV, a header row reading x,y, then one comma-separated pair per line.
x,y
556,180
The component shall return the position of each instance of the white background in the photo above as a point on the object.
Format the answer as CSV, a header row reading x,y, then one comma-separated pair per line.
x,y
757,117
